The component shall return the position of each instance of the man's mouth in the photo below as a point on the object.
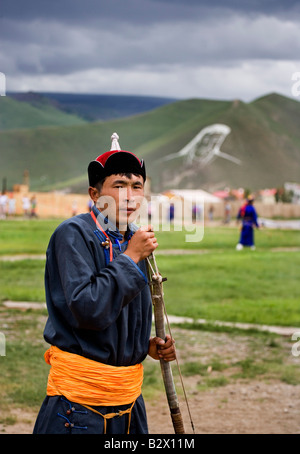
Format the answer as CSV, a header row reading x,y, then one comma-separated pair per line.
x,y
128,210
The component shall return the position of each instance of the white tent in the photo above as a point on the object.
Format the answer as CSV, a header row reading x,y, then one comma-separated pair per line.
x,y
194,194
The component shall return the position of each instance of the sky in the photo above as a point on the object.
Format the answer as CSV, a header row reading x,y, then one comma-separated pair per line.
x,y
172,48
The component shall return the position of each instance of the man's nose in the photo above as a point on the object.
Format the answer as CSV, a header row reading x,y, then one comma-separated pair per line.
x,y
129,194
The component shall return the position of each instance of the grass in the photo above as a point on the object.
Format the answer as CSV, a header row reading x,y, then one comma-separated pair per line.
x,y
22,280
260,287
20,236
224,238
220,283
223,284
23,371
30,236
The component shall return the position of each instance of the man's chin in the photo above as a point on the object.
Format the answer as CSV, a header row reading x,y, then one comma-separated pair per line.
x,y
127,219
132,217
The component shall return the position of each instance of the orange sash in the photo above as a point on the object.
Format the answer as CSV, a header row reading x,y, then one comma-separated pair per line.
x,y
89,382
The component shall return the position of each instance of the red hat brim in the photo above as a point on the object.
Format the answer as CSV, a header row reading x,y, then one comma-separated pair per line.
x,y
115,162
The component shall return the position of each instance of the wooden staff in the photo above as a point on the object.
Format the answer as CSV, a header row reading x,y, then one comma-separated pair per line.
x,y
156,287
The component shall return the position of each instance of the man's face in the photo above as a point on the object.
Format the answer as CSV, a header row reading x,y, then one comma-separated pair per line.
x,y
120,198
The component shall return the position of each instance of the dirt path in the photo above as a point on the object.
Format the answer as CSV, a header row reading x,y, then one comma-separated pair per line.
x,y
252,408
264,403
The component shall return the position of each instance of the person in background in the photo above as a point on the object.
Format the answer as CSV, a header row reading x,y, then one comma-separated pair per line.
x,y
227,215
11,205
33,204
26,205
3,205
248,216
211,213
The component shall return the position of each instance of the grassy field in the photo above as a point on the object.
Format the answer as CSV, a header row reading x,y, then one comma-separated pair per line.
x,y
213,281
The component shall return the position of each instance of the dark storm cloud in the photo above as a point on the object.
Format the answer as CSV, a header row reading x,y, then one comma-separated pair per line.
x,y
112,11
56,48
144,11
139,41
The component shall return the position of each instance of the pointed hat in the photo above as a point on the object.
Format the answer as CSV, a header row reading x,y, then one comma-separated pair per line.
x,y
115,161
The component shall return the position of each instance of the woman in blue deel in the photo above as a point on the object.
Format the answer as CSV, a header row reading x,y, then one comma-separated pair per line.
x,y
247,214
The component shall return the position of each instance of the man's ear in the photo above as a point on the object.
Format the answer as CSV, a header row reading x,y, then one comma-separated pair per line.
x,y
94,194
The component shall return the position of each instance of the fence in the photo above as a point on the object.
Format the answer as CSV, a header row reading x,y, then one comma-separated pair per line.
x,y
57,205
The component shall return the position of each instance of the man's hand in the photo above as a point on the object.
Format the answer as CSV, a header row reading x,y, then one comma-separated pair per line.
x,y
158,348
142,243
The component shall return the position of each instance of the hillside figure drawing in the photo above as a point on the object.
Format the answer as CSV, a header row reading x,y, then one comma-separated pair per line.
x,y
100,308
248,216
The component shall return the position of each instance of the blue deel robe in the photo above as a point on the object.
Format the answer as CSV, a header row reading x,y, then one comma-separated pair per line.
x,y
249,219
99,310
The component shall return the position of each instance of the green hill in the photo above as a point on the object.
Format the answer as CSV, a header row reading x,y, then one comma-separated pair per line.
x,y
264,136
92,107
96,107
15,114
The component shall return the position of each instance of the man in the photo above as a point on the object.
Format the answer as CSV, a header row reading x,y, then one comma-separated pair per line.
x,y
100,309
247,214
3,202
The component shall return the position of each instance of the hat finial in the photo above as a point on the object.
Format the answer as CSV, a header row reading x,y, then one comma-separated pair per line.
x,y
115,144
